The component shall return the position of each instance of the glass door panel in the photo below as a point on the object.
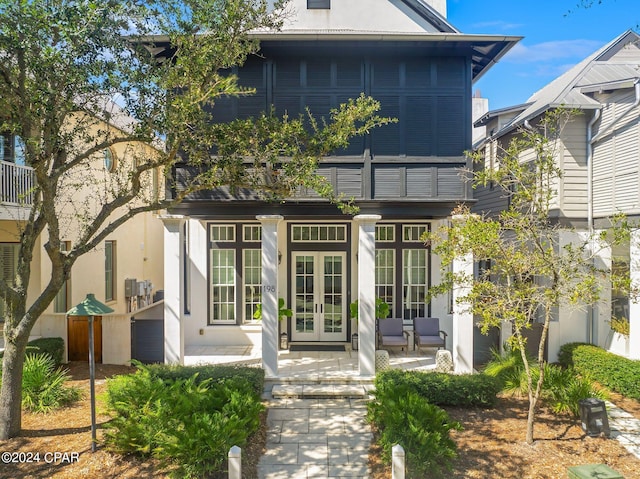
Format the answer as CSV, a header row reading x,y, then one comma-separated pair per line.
x,y
319,282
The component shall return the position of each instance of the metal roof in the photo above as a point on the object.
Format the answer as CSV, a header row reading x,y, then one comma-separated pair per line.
x,y
591,74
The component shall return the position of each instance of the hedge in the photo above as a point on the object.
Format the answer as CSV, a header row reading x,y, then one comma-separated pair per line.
x,y
255,376
615,372
461,390
54,347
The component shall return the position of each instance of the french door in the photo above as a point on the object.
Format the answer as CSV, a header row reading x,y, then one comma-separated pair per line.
x,y
319,287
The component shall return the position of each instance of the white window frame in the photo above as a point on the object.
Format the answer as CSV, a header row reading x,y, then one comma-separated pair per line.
x,y
407,283
245,283
412,228
390,281
212,286
314,234
218,238
249,233
386,238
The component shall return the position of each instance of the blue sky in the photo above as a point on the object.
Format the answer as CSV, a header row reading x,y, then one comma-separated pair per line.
x,y
557,35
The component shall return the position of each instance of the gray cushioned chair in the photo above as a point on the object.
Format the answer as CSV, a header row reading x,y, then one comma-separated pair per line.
x,y
427,333
391,334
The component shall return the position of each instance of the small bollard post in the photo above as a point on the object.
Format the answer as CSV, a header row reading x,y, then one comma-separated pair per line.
x,y
397,462
235,463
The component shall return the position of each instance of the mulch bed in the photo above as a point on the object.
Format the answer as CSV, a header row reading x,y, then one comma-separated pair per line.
x,y
491,444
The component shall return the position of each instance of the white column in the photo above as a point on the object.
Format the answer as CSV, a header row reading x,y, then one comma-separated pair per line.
x,y
367,293
462,316
634,306
270,293
173,328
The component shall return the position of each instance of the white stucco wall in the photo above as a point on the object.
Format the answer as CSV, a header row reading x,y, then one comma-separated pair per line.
x,y
361,15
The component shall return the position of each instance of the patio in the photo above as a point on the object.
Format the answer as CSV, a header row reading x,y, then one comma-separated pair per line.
x,y
306,365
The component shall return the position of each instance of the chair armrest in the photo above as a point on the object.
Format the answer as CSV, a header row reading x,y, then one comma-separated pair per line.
x,y
406,333
444,333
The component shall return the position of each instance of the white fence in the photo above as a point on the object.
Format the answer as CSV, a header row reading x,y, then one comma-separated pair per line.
x,y
16,184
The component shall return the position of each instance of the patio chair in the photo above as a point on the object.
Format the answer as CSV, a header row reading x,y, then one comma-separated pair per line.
x,y
391,334
427,333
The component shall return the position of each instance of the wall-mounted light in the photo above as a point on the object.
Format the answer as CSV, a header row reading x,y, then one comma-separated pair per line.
x,y
279,257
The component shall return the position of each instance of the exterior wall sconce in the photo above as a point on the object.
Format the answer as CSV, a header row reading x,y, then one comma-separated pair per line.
x,y
279,257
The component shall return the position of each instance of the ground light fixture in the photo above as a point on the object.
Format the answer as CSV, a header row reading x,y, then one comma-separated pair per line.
x,y
593,416
91,307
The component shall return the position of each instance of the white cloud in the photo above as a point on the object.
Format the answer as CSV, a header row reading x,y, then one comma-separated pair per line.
x,y
552,51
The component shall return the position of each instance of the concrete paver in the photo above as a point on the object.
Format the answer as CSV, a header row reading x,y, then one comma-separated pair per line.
x,y
316,438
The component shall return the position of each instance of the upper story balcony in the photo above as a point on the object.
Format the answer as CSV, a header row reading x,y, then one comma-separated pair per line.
x,y
16,184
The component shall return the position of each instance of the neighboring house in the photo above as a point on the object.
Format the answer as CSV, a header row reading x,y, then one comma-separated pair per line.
x,y
403,53
599,155
134,251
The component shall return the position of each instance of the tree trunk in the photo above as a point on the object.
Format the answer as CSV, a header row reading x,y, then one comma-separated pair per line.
x,y
11,391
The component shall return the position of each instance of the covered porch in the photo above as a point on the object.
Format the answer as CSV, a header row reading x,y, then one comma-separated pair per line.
x,y
307,365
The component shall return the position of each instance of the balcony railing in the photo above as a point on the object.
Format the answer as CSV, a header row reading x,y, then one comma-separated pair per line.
x,y
16,184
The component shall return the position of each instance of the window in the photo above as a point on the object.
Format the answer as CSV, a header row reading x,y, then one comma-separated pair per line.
x,y
109,160
235,272
385,276
252,233
8,268
223,286
402,269
252,276
109,270
223,233
12,149
385,233
413,233
62,299
414,282
318,4
315,233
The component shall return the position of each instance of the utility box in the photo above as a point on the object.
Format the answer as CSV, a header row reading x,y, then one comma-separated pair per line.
x,y
593,416
589,471
130,287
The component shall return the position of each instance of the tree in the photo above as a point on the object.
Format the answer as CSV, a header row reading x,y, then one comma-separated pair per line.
x,y
528,267
64,63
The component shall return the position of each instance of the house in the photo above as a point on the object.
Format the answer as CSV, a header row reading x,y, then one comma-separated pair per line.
x,y
124,273
226,253
600,159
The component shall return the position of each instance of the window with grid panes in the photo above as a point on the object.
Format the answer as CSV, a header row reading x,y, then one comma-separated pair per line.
x,y
415,282
8,268
252,281
222,293
385,276
109,270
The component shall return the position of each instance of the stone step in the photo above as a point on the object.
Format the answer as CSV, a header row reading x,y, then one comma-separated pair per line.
x,y
319,391
318,380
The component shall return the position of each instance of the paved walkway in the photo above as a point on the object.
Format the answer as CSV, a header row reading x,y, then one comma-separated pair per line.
x,y
319,438
625,428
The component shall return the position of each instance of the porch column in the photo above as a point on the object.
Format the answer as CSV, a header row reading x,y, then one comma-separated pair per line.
x,y
270,293
634,306
367,293
173,330
462,316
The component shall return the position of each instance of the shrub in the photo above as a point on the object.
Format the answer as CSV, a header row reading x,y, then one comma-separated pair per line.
x,y
54,347
404,417
255,376
509,371
43,386
563,389
615,372
188,424
464,390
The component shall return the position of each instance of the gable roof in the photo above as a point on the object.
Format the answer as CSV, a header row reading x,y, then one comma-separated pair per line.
x,y
599,71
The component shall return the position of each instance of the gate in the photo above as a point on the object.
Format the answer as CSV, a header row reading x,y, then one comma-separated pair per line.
x,y
147,340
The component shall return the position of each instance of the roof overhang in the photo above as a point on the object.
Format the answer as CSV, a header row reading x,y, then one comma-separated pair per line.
x,y
483,50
